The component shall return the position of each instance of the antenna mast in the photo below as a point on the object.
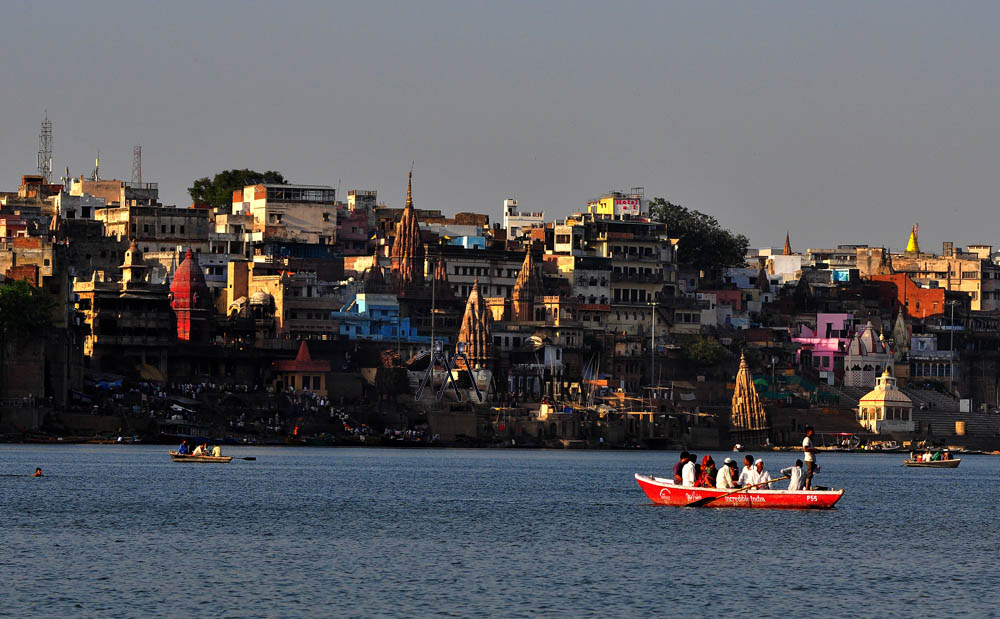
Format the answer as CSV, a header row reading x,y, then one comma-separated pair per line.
x,y
137,164
45,149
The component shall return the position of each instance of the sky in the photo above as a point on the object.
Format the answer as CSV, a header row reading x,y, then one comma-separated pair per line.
x,y
840,122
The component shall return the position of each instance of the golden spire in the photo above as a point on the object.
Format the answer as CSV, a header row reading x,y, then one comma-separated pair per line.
x,y
788,246
912,244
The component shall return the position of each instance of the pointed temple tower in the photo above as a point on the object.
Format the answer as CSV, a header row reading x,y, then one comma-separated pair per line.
x,y
788,246
134,269
373,279
407,250
477,330
441,286
191,301
912,246
748,421
527,287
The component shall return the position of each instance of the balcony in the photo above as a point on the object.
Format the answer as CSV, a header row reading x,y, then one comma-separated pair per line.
x,y
643,278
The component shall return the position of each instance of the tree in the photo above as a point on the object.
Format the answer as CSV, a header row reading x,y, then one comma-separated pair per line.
x,y
25,313
24,310
217,192
703,243
705,351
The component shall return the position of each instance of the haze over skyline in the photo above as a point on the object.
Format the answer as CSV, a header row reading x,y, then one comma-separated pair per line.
x,y
843,123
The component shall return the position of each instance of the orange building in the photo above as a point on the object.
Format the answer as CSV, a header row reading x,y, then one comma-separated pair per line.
x,y
917,302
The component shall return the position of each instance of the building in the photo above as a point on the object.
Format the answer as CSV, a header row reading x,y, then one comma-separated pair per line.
x,y
886,409
620,203
191,301
157,228
295,213
302,374
867,356
515,223
129,322
117,193
375,317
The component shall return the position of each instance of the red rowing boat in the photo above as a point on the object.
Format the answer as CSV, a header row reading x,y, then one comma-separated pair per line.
x,y
664,492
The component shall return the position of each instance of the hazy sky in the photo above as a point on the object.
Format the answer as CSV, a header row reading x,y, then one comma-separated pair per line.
x,y
843,122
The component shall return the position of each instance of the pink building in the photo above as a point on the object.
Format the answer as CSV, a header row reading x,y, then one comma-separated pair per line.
x,y
824,347
354,231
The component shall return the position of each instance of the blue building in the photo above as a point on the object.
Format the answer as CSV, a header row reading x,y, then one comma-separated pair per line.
x,y
375,317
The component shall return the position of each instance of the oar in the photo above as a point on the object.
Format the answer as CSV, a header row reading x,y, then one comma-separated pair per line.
x,y
248,458
709,499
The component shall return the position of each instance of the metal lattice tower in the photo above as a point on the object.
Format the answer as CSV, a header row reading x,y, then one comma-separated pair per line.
x,y
45,149
137,164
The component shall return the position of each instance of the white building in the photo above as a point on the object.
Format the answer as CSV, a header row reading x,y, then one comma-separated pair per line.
x,y
886,409
514,223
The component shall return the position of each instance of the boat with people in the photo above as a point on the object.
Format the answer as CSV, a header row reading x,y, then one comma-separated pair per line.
x,y
179,457
933,464
665,492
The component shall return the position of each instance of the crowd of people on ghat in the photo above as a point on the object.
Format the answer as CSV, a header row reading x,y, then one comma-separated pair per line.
x,y
688,472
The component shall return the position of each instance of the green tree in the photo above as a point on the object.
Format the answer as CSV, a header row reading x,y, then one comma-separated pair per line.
x,y
24,311
703,243
217,192
705,351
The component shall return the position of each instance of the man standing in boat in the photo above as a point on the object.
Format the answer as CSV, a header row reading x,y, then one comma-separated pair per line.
x,y
810,456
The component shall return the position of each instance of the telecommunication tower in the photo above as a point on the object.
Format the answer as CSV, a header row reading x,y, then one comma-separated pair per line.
x,y
45,149
137,164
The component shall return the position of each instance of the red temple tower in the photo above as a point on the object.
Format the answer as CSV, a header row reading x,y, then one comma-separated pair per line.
x,y
191,301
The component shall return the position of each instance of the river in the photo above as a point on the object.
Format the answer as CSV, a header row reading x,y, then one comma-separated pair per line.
x,y
116,531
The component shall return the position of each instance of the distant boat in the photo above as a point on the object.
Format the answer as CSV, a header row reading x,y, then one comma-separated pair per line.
x,y
934,464
179,457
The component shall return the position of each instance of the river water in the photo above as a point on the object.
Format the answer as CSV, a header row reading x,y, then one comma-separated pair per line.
x,y
117,531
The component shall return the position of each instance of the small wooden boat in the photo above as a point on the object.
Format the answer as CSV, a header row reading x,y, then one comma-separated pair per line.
x,y
179,457
665,492
934,464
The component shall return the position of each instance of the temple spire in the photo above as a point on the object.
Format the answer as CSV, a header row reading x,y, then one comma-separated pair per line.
x,y
409,191
912,245
788,246
748,416
476,329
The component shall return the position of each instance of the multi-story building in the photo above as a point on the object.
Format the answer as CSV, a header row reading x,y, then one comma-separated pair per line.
x,y
157,228
129,321
294,213
972,272
616,204
117,193
515,223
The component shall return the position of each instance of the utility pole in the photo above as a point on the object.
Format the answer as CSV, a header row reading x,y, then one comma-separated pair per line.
x,y
652,349
951,346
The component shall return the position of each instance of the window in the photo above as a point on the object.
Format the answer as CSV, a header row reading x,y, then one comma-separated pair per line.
x,y
163,228
182,230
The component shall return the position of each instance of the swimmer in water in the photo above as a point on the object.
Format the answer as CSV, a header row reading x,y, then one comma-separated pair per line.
x,y
38,472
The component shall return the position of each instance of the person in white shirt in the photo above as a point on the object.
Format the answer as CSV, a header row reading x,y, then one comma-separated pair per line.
x,y
794,473
810,456
724,480
747,473
761,477
198,451
688,474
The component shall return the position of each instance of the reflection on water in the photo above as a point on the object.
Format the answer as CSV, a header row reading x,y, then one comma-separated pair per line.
x,y
118,530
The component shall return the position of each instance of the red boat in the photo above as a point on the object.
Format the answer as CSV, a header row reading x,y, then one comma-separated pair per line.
x,y
664,492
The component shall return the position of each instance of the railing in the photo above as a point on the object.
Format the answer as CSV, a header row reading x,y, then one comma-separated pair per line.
x,y
152,186
653,278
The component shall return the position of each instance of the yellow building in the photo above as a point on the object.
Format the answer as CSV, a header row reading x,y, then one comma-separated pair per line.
x,y
619,203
